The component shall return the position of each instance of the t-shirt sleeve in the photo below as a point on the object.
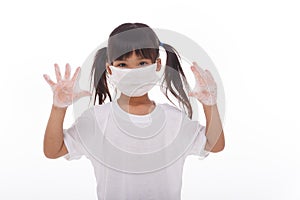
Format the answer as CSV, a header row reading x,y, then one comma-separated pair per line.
x,y
198,145
72,142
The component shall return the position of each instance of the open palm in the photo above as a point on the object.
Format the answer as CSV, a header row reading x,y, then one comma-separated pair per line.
x,y
205,89
63,90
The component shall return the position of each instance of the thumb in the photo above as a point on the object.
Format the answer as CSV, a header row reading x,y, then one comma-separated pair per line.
x,y
82,94
190,94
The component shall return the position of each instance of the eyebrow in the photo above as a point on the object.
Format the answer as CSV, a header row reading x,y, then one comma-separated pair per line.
x,y
139,58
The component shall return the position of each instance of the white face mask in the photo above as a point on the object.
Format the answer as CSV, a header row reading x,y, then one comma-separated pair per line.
x,y
134,82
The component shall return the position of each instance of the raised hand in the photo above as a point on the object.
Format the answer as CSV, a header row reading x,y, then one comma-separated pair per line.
x,y
205,89
63,90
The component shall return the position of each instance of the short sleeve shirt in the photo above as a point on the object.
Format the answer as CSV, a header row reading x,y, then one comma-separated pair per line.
x,y
136,156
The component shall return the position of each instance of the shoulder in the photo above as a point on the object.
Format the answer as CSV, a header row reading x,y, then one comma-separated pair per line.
x,y
105,107
175,113
96,110
100,107
170,108
94,116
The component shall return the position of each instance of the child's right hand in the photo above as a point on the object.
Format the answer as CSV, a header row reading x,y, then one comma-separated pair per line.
x,y
63,90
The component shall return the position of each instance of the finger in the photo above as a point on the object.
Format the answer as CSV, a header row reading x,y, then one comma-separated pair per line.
x,y
82,94
57,72
209,75
67,71
198,73
76,74
199,69
49,81
210,78
191,94
196,95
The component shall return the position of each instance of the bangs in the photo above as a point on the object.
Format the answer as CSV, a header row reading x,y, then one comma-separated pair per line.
x,y
140,41
148,53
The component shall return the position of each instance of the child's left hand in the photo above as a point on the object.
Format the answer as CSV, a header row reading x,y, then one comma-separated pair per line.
x,y
205,89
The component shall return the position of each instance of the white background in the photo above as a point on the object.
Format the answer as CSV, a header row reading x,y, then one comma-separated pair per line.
x,y
254,45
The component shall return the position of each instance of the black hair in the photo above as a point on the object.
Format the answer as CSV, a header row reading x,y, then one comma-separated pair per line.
x,y
141,39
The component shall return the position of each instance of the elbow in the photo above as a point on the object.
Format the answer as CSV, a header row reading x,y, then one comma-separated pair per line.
x,y
49,154
219,145
217,149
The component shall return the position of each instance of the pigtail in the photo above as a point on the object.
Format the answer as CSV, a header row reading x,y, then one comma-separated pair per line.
x,y
175,79
99,73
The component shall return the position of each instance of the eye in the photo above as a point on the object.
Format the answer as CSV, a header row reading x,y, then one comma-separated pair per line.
x,y
121,65
143,63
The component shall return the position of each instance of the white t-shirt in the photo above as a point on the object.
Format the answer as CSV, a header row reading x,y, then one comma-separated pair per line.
x,y
136,157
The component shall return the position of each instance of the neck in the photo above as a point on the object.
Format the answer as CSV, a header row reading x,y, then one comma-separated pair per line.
x,y
134,101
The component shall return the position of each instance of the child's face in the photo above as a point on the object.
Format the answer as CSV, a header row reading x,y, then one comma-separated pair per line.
x,y
133,62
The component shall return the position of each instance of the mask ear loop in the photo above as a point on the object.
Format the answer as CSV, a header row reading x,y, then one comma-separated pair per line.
x,y
109,80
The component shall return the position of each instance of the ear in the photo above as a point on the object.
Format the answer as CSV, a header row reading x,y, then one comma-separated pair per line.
x,y
108,69
158,61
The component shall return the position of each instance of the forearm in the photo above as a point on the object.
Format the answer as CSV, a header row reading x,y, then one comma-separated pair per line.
x,y
214,131
53,138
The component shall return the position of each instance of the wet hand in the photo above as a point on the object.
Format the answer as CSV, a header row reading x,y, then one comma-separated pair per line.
x,y
63,90
205,89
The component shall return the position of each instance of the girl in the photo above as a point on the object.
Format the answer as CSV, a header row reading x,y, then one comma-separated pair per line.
x,y
136,145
